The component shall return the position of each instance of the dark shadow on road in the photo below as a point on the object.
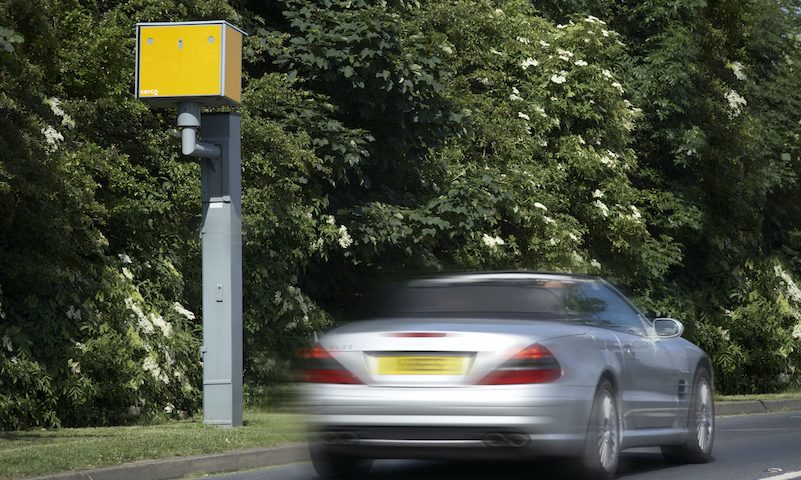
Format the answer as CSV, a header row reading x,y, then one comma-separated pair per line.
x,y
631,463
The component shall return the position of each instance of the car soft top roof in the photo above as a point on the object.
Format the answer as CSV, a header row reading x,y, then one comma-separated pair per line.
x,y
498,276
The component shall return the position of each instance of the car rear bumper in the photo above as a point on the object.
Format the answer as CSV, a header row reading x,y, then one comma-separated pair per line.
x,y
457,422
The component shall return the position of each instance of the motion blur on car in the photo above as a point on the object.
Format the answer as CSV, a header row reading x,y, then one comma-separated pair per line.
x,y
507,365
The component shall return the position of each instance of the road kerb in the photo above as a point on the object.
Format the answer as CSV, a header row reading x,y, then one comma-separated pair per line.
x,y
793,404
739,408
182,466
757,406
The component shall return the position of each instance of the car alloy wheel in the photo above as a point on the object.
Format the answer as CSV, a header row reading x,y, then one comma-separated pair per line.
x,y
704,422
607,432
602,446
700,425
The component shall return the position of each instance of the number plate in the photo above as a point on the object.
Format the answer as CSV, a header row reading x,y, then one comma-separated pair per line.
x,y
422,365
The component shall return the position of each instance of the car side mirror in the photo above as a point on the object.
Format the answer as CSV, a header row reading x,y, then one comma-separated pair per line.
x,y
668,327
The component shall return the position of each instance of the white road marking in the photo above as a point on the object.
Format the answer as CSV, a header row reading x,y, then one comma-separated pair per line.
x,y
784,476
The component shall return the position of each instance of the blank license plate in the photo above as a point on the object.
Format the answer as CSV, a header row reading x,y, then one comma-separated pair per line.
x,y
421,365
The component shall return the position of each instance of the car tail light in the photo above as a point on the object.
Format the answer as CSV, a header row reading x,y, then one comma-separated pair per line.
x,y
317,365
533,364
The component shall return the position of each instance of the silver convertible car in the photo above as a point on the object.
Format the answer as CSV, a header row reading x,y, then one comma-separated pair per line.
x,y
508,365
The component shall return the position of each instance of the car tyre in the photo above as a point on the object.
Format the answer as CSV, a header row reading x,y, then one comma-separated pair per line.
x,y
602,445
700,424
332,465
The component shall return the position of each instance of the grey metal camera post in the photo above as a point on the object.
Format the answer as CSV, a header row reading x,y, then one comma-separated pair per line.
x,y
221,241
194,64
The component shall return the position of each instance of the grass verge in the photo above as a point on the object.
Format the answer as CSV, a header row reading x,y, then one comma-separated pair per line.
x,y
39,452
759,396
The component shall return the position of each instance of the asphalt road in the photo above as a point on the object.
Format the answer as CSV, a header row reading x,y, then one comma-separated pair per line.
x,y
746,448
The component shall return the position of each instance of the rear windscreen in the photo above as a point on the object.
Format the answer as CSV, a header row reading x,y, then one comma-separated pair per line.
x,y
531,300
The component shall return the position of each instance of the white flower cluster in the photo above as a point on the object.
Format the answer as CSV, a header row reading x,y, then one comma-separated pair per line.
x,y
602,206
317,245
164,326
529,62
55,106
74,366
560,77
183,311
492,242
345,240
797,331
138,315
736,103
147,323
610,159
52,137
295,300
151,365
592,19
737,68
793,292
127,273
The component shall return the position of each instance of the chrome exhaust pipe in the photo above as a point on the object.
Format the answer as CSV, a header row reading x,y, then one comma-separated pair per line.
x,y
494,440
517,440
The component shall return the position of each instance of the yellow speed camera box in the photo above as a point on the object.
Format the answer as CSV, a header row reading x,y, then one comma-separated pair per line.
x,y
189,62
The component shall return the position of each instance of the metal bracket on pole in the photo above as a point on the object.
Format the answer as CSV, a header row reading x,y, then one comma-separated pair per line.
x,y
189,123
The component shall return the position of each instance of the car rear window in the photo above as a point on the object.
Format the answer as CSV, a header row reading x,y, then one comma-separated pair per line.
x,y
529,299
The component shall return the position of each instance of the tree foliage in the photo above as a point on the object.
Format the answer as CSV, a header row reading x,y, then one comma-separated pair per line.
x,y
654,143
